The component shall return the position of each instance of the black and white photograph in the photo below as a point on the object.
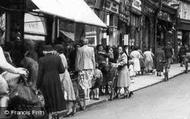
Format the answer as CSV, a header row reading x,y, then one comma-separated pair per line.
x,y
94,59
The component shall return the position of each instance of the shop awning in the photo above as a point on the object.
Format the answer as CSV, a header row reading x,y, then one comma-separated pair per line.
x,y
183,25
68,34
74,10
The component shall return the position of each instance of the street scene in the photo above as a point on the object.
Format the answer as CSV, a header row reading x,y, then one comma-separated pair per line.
x,y
167,100
106,59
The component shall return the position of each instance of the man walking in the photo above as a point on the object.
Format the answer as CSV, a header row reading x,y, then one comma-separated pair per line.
x,y
85,64
168,53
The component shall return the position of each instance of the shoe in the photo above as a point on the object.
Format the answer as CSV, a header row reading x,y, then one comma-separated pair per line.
x,y
130,94
82,108
69,114
96,98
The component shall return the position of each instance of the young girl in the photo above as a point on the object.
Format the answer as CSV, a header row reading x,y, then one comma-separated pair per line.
x,y
96,82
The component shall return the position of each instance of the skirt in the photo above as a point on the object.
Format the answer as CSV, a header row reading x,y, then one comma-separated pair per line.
x,y
85,79
123,77
67,86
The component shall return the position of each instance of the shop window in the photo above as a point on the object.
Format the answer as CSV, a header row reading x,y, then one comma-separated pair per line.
x,y
34,28
2,27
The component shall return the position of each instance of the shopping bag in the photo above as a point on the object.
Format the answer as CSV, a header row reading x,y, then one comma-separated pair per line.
x,y
25,94
3,86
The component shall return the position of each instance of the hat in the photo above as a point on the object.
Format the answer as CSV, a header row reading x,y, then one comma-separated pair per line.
x,y
47,48
59,48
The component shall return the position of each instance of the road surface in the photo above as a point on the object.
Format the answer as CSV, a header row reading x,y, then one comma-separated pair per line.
x,y
167,100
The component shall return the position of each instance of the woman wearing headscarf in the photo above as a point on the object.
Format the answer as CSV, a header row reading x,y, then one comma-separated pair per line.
x,y
66,82
50,66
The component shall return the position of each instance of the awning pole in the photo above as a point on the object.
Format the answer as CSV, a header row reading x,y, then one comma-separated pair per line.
x,y
58,27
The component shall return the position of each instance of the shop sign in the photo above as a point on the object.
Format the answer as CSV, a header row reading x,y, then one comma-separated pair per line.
x,y
126,39
124,7
137,4
112,6
91,35
148,10
164,16
95,3
179,35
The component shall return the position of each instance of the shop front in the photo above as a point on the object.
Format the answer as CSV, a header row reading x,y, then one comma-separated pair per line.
x,y
123,23
183,28
135,23
148,20
166,27
111,12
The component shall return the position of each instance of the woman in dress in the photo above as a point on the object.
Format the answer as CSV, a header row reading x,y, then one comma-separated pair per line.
x,y
135,55
66,82
50,66
148,61
123,73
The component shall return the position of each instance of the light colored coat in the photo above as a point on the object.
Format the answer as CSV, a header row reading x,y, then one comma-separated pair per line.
x,y
135,58
123,73
85,58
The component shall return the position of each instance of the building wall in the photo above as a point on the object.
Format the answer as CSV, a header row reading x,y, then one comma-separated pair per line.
x,y
184,10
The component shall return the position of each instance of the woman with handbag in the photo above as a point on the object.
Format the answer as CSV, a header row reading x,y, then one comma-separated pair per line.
x,y
123,73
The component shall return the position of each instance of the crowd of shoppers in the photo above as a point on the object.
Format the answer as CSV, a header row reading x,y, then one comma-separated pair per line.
x,y
84,73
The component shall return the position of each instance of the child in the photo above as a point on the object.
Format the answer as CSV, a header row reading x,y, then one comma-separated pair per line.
x,y
96,83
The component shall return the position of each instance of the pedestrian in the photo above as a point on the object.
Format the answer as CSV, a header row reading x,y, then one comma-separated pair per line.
x,y
148,55
110,55
72,57
50,66
31,50
160,58
135,55
168,53
101,59
66,82
123,73
182,53
32,66
142,62
96,83
85,64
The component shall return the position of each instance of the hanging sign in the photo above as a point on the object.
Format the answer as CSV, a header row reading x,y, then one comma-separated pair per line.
x,y
112,6
137,4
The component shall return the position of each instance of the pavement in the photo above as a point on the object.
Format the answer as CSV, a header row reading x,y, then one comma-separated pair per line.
x,y
144,81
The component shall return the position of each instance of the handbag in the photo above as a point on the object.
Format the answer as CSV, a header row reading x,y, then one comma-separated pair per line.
x,y
3,86
24,93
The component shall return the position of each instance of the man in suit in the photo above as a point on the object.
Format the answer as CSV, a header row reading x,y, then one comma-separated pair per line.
x,y
85,65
